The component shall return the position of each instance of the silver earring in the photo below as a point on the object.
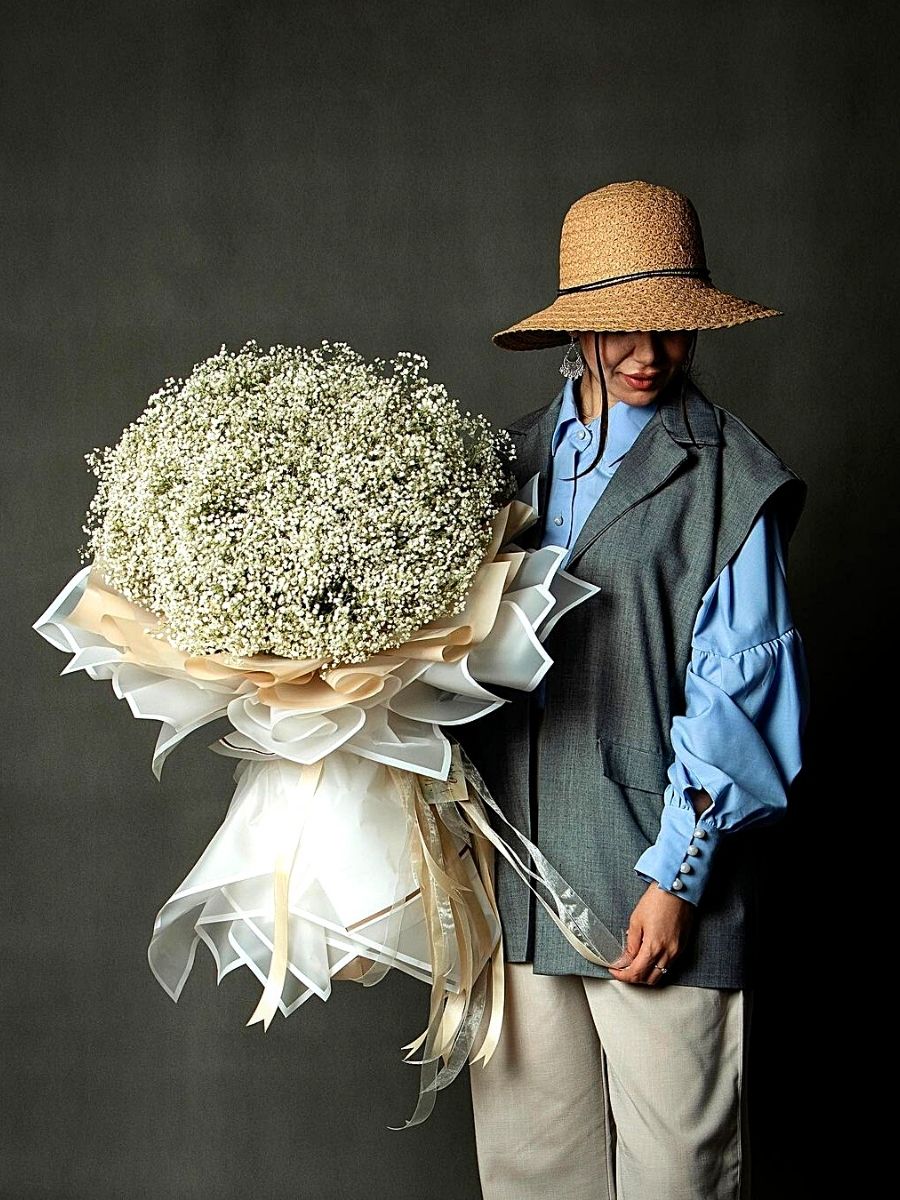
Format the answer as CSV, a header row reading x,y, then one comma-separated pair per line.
x,y
572,365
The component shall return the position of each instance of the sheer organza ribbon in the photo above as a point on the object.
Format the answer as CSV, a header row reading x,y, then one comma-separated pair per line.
x,y
457,1018
284,863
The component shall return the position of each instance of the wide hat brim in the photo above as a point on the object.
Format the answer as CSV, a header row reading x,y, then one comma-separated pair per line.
x,y
639,304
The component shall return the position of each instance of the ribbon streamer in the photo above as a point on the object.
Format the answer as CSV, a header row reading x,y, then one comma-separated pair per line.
x,y
575,919
455,1019
268,1001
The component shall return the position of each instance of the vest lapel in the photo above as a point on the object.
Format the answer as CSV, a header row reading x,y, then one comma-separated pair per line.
x,y
654,457
658,452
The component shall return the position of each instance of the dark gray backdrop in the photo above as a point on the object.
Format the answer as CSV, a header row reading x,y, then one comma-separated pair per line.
x,y
178,175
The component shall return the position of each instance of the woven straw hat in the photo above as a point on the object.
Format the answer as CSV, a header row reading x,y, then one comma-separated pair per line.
x,y
631,257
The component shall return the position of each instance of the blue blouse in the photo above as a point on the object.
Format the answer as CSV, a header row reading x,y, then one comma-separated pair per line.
x,y
746,687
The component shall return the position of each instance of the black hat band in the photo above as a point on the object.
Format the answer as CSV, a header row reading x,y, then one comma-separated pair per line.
x,y
689,272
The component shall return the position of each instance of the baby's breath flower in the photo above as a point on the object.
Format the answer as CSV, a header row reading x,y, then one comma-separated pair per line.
x,y
296,502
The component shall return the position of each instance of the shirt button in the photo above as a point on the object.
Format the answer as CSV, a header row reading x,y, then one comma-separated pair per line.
x,y
677,886
692,850
685,868
699,834
557,520
582,434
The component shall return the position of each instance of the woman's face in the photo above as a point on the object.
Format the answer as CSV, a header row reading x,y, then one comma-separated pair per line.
x,y
639,365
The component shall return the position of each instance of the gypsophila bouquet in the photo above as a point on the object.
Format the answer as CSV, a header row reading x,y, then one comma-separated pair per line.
x,y
295,502
322,551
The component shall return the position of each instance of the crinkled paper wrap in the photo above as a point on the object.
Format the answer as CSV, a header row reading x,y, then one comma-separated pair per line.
x,y
357,838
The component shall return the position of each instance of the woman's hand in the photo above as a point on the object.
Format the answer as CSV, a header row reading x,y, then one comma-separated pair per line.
x,y
657,932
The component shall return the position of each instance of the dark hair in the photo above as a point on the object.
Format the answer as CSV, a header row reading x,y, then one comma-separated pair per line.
x,y
604,406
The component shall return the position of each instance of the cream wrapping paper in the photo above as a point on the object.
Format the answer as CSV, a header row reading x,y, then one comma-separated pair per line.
x,y
357,839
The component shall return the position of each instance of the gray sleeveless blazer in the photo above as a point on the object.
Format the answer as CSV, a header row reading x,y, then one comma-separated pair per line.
x,y
585,781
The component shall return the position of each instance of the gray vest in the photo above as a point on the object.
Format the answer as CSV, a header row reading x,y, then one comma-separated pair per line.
x,y
585,780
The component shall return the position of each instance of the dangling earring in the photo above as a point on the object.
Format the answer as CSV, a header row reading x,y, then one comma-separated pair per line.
x,y
572,365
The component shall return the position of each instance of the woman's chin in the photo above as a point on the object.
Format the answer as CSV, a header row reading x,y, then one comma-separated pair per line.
x,y
638,399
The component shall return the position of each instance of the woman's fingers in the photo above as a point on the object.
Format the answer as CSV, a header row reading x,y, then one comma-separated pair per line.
x,y
641,968
633,941
658,971
645,967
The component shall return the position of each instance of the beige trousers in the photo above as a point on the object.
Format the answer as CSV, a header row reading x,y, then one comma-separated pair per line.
x,y
602,1090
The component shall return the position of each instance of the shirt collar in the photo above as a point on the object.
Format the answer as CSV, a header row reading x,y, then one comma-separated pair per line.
x,y
625,423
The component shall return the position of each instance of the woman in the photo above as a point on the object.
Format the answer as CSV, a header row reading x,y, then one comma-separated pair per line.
x,y
670,723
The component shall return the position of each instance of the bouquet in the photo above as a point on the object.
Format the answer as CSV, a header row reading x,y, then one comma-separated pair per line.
x,y
321,550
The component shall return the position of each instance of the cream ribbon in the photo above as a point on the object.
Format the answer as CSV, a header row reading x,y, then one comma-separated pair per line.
x,y
268,1001
456,1018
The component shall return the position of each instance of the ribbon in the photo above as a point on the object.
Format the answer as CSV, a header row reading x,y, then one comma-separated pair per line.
x,y
574,917
458,933
438,812
296,818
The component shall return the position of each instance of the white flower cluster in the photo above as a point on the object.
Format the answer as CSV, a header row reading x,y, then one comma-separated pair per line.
x,y
298,502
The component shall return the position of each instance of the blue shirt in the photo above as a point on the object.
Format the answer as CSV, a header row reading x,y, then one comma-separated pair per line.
x,y
746,687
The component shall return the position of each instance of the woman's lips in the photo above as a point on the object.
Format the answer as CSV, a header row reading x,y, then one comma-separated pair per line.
x,y
641,383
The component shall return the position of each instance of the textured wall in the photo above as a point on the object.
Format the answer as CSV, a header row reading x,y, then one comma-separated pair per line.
x,y
178,175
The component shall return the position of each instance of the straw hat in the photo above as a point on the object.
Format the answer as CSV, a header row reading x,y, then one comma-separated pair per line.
x,y
631,257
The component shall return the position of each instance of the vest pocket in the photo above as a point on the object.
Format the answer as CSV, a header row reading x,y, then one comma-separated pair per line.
x,y
633,766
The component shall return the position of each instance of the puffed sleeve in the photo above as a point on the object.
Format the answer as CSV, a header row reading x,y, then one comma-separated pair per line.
x,y
746,704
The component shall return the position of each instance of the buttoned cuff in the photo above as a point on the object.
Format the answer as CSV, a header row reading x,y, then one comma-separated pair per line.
x,y
680,858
